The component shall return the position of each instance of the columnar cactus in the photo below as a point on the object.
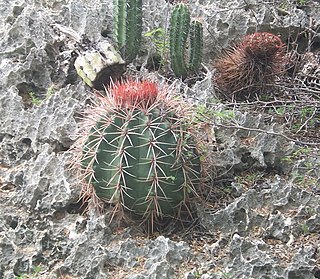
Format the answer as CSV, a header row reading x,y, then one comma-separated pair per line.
x,y
127,20
180,31
137,151
196,45
251,65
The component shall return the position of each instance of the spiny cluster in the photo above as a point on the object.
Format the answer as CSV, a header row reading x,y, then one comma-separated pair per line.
x,y
135,93
262,45
250,66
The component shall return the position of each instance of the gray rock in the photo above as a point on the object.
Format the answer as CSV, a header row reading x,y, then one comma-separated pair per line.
x,y
260,228
255,235
244,141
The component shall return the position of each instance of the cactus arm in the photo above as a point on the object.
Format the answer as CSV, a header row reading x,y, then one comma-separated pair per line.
x,y
134,28
179,30
196,45
119,21
127,18
94,65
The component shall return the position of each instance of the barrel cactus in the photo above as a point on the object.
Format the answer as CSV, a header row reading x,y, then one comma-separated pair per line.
x,y
137,151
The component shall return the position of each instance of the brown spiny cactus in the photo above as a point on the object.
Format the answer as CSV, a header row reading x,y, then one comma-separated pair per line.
x,y
251,65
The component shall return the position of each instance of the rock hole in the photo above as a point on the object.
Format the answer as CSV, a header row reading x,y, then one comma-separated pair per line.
x,y
13,224
316,273
29,94
17,10
59,147
21,267
72,75
59,214
105,33
154,62
26,141
77,208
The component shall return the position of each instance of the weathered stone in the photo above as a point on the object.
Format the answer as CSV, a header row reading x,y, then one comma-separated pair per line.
x,y
41,222
263,227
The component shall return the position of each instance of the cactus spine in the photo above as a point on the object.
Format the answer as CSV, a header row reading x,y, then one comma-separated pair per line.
x,y
137,152
180,31
128,27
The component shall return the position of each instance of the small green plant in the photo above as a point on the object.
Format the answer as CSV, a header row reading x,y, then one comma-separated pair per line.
x,y
306,179
224,114
50,91
226,274
197,274
279,110
158,37
298,154
186,41
34,99
205,113
249,179
301,2
36,270
305,229
306,118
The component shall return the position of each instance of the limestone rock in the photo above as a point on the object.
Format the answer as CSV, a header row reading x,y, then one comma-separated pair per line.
x,y
43,233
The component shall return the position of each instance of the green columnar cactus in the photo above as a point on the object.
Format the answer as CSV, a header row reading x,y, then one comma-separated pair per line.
x,y
180,31
196,45
138,153
128,27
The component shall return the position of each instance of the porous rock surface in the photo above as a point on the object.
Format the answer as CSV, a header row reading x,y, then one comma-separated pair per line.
x,y
268,231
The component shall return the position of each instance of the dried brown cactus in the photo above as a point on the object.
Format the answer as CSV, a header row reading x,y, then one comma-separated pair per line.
x,y
251,65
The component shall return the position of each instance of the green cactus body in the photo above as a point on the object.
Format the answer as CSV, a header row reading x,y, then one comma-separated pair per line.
x,y
141,157
196,45
180,31
128,27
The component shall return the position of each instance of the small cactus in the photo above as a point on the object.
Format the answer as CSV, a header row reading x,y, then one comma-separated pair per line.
x,y
180,31
250,66
127,20
137,151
